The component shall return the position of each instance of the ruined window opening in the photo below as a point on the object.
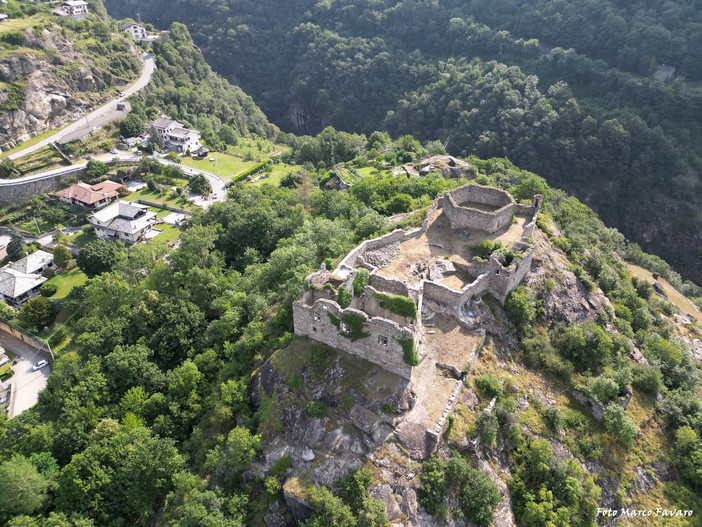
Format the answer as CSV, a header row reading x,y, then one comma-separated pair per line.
x,y
345,328
497,272
316,317
382,340
314,328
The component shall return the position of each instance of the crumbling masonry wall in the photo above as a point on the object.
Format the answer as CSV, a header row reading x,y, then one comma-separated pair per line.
x,y
461,217
379,347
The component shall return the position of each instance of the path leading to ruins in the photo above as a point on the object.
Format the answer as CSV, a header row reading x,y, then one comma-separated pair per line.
x,y
97,115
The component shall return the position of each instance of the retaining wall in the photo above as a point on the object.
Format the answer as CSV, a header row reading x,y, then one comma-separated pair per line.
x,y
314,322
17,190
24,337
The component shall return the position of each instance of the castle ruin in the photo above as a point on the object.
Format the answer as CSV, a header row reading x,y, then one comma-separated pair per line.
x,y
436,266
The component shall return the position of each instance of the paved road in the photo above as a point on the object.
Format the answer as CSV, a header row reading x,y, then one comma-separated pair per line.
x,y
218,187
106,108
26,383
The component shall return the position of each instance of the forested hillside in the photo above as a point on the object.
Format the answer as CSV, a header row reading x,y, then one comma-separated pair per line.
x,y
626,145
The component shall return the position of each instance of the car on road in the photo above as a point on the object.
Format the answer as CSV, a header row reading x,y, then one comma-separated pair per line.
x,y
2,246
89,157
122,94
39,365
2,399
214,196
114,151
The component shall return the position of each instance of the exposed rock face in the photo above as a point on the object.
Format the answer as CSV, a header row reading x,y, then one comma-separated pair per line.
x,y
569,300
59,82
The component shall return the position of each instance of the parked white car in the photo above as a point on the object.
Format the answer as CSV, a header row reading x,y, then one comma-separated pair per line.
x,y
39,365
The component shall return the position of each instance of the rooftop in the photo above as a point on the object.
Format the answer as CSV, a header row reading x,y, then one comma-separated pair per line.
x,y
123,216
15,283
165,123
32,262
90,194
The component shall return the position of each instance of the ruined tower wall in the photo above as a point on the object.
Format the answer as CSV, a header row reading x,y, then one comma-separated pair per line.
x,y
468,218
379,347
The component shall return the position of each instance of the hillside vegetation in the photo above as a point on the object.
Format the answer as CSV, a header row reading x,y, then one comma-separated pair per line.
x,y
52,69
586,121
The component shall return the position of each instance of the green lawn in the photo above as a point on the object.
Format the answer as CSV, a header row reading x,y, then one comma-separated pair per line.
x,y
169,234
227,166
276,175
371,172
66,281
156,196
20,24
78,240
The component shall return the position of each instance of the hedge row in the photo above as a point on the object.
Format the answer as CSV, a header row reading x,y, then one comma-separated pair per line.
x,y
256,168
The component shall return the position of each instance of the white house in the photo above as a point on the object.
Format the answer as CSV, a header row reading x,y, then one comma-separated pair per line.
x,y
17,287
174,137
125,221
136,31
35,263
75,8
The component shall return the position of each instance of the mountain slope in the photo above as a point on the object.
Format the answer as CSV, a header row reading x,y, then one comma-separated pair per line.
x,y
627,146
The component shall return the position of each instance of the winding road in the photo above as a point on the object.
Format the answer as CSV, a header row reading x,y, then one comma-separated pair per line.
x,y
218,186
109,107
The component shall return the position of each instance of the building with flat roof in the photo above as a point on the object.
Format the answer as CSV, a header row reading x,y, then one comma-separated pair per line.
x,y
78,9
174,136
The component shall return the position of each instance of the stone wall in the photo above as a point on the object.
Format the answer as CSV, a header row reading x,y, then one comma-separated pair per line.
x,y
445,295
392,286
469,218
503,281
380,347
12,190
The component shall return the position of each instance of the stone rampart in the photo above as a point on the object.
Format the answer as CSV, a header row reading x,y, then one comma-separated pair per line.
x,y
463,217
380,346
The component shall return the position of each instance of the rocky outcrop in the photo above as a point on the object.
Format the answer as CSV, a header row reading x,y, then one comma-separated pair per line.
x,y
58,82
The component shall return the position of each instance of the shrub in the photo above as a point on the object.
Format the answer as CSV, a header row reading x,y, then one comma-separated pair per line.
x,y
360,281
488,386
48,289
316,409
409,352
647,380
553,417
344,297
400,305
486,426
620,425
520,306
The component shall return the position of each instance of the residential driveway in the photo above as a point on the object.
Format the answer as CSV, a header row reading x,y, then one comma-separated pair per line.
x,y
26,383
4,240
